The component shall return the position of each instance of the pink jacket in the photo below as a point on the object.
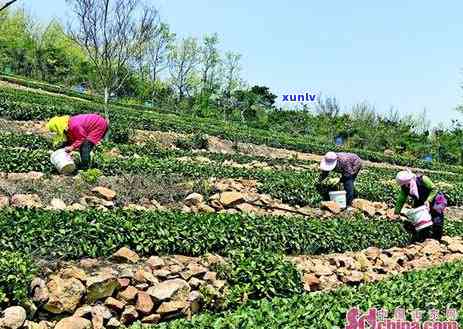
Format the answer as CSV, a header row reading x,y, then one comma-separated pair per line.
x,y
82,127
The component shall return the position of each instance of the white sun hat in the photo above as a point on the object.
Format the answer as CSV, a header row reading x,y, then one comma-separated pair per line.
x,y
329,161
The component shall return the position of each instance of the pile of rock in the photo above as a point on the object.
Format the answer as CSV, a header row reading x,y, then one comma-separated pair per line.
x,y
330,271
241,195
254,164
368,208
372,208
229,196
97,294
25,201
102,198
21,177
110,294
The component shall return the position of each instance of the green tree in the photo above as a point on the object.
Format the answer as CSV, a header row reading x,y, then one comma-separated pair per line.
x,y
112,33
183,61
57,58
210,59
253,102
16,42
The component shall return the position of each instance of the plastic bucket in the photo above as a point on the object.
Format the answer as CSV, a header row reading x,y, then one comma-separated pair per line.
x,y
420,217
63,162
339,197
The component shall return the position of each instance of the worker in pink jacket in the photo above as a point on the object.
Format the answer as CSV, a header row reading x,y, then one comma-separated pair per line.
x,y
80,132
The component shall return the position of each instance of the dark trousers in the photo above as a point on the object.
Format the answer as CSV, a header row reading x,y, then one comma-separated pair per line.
x,y
422,235
433,232
85,154
437,225
348,182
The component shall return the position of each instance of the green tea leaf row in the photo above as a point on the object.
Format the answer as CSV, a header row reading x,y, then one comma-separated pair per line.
x,y
22,105
92,233
438,288
292,187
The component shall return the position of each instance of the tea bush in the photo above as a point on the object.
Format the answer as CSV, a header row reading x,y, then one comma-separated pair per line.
x,y
256,274
435,288
196,141
17,271
26,105
48,87
120,132
93,233
91,176
32,142
293,187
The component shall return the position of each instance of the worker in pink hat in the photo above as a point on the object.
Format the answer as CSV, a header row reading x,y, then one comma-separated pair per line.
x,y
348,165
421,190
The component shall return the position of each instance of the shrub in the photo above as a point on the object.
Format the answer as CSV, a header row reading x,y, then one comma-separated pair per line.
x,y
91,176
17,271
49,234
120,132
196,141
256,274
435,288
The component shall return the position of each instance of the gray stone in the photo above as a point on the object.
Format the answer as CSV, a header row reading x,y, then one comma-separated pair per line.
x,y
13,317
168,289
101,286
74,322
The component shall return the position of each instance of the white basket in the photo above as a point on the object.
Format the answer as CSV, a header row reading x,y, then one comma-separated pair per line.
x,y
63,162
420,217
339,197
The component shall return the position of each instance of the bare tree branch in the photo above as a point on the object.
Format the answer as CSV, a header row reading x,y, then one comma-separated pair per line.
x,y
113,33
232,69
158,48
183,60
210,60
7,4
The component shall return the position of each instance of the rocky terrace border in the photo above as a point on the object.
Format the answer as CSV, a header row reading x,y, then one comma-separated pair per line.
x,y
229,196
327,272
97,293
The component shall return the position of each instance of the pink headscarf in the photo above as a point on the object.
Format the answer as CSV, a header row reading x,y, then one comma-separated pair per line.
x,y
407,178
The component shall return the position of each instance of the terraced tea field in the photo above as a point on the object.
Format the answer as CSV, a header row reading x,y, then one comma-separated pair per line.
x,y
166,230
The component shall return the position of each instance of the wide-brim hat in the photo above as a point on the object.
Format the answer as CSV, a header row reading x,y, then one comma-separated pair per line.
x,y
404,177
329,161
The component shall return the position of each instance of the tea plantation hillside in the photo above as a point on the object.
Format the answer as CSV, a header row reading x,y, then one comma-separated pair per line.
x,y
188,222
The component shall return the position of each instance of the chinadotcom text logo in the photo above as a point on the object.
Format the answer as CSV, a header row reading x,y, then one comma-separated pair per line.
x,y
299,97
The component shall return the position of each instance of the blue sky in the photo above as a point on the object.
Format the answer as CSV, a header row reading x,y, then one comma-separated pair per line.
x,y
405,54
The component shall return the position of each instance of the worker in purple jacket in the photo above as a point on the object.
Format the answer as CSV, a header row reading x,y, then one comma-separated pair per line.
x,y
348,165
